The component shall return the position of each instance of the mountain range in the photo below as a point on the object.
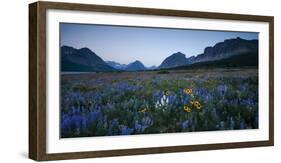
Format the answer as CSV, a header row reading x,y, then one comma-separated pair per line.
x,y
116,65
175,60
230,52
222,50
82,60
134,66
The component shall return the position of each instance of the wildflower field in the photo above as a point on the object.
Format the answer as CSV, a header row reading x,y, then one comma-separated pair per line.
x,y
127,103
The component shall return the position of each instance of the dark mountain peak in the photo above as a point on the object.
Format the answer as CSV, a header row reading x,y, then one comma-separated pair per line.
x,y
135,66
136,62
237,40
67,50
208,49
178,54
174,60
234,39
71,50
221,50
86,50
67,47
228,48
242,39
82,60
64,47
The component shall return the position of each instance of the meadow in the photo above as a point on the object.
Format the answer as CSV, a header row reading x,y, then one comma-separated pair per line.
x,y
148,102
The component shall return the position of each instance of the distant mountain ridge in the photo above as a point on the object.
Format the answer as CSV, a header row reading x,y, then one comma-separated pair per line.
x,y
227,48
135,66
175,60
116,65
241,60
82,60
221,50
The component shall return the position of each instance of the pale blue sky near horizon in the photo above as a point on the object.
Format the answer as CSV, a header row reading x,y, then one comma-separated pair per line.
x,y
151,46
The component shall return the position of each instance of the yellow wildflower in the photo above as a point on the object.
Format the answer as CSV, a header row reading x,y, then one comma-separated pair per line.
x,y
196,104
143,110
186,109
167,93
187,90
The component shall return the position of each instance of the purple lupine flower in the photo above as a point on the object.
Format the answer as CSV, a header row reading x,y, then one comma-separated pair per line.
x,y
184,125
222,125
113,127
73,124
222,89
126,130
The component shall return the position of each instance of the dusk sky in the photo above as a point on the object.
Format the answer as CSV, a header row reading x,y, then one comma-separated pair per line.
x,y
148,45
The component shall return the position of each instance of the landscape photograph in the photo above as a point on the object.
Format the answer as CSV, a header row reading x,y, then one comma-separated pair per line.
x,y
127,80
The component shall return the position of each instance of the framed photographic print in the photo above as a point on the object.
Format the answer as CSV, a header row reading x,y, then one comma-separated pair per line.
x,y
112,81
